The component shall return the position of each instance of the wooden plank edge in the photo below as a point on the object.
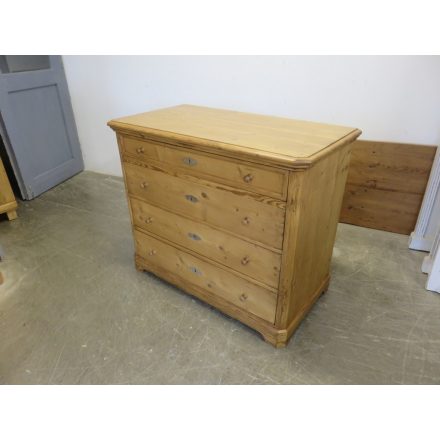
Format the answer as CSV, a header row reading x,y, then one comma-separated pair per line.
x,y
393,230
370,142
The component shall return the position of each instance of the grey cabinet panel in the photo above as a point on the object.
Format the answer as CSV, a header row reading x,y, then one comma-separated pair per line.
x,y
20,63
38,128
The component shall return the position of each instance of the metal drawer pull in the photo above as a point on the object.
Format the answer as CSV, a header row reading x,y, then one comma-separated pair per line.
x,y
195,270
193,236
140,150
248,178
144,185
243,297
245,261
149,220
189,161
152,252
191,198
246,221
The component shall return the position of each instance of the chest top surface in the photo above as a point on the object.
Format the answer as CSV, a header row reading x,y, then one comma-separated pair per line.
x,y
284,141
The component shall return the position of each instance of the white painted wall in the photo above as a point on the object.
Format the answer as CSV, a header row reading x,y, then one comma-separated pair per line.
x,y
389,98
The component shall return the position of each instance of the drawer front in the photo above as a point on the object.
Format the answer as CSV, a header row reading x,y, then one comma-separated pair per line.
x,y
238,291
237,212
255,261
259,179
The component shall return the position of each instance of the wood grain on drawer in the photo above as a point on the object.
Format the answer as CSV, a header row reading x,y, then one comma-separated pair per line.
x,y
241,213
259,179
255,261
238,291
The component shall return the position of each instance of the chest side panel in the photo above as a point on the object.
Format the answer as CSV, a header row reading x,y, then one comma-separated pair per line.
x,y
313,208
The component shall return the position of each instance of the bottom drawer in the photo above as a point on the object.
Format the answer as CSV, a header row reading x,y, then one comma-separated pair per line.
x,y
238,291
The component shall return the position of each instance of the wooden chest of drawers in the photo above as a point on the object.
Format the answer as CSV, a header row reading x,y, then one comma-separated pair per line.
x,y
237,209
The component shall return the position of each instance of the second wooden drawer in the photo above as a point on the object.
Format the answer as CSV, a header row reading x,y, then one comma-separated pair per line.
x,y
255,261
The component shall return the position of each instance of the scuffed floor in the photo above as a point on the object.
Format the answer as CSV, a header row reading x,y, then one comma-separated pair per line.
x,y
73,309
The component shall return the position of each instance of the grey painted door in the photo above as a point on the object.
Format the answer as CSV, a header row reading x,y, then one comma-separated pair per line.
x,y
37,123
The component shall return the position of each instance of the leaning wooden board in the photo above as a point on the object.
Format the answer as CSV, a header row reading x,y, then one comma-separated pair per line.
x,y
237,209
385,185
8,204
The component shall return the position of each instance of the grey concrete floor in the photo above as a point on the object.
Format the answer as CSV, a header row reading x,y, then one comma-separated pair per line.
x,y
73,309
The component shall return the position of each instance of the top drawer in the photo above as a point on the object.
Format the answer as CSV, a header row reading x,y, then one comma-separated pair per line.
x,y
255,178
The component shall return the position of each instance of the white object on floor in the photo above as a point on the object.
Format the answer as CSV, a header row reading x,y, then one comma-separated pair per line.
x,y
426,235
431,265
423,236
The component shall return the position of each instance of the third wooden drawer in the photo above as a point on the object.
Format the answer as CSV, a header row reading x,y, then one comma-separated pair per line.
x,y
255,261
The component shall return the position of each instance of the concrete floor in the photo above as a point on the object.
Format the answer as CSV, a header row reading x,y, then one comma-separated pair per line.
x,y
74,310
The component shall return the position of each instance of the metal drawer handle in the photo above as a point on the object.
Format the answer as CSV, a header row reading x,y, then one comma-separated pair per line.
x,y
246,221
191,198
149,220
140,150
194,269
152,252
193,236
243,297
245,261
144,185
189,161
248,178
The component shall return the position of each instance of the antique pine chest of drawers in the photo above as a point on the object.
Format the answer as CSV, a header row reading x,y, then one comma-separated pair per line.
x,y
237,209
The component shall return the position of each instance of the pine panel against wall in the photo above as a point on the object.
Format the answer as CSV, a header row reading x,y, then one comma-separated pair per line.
x,y
385,185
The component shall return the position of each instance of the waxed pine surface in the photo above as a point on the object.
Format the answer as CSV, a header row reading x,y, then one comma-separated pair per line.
x,y
280,136
73,309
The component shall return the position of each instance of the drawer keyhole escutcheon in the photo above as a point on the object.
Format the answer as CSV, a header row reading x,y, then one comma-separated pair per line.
x,y
245,261
248,178
189,161
194,269
152,252
193,236
191,198
144,185
149,220
140,150
246,221
243,297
